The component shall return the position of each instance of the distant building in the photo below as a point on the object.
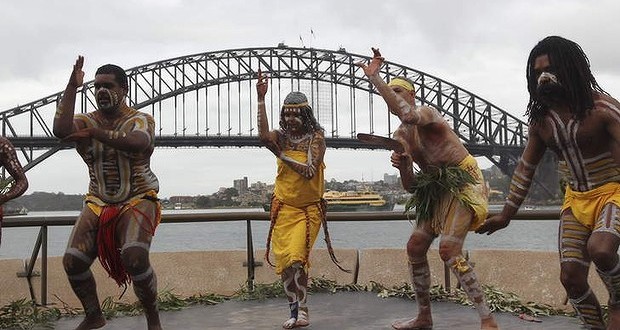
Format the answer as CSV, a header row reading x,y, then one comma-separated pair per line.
x,y
390,178
258,186
241,185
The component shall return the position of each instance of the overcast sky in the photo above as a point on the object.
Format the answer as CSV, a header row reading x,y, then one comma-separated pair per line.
x,y
481,46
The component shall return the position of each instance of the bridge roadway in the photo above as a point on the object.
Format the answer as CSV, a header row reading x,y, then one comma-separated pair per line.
x,y
171,141
341,311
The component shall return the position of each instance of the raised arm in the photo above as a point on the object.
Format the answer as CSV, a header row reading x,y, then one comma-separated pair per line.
x,y
316,153
63,120
9,160
407,112
520,183
267,137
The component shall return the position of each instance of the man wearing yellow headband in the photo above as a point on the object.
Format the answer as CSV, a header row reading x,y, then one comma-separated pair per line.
x,y
429,141
297,206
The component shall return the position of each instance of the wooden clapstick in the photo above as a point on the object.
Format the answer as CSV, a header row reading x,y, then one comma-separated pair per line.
x,y
382,141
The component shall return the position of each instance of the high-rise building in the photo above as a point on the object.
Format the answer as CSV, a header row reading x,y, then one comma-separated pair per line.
x,y
390,178
241,185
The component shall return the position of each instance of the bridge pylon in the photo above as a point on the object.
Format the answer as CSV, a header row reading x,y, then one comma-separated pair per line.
x,y
546,183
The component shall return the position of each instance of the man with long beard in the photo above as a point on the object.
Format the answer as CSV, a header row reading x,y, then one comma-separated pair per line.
x,y
446,205
121,209
297,207
570,114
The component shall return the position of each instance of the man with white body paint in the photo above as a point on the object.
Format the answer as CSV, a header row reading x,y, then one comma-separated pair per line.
x,y
571,115
429,141
121,209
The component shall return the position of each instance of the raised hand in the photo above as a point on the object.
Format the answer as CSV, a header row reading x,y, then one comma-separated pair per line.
x,y
262,85
375,64
400,160
77,75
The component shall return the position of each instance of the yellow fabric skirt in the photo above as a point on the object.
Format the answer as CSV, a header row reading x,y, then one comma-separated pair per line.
x,y
293,228
586,206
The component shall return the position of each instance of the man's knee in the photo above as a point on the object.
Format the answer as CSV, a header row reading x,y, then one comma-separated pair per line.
x,y
135,260
603,258
448,249
75,261
72,264
417,246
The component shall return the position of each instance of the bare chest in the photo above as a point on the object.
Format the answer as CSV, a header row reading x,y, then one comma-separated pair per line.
x,y
568,136
434,146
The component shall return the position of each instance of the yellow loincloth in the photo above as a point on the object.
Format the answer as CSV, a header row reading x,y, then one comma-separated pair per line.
x,y
478,194
96,205
586,206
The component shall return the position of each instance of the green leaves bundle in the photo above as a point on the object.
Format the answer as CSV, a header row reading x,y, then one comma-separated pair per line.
x,y
430,186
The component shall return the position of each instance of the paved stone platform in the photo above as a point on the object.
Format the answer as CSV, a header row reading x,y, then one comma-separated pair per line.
x,y
341,311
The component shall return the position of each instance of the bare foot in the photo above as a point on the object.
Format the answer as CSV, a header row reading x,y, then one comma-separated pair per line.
x,y
413,324
303,320
290,323
91,322
488,323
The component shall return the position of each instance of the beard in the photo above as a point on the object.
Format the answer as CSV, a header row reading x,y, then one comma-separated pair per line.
x,y
107,100
551,93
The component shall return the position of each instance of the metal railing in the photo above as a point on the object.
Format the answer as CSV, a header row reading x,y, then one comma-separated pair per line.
x,y
68,220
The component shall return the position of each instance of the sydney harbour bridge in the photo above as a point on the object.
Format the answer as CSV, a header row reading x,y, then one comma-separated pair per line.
x,y
209,100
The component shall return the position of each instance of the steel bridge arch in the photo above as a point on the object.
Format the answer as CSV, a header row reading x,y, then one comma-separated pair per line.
x,y
484,128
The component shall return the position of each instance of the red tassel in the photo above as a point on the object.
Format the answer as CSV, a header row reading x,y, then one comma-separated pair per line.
x,y
109,254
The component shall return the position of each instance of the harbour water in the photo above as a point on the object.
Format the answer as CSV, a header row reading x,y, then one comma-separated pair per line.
x,y
532,235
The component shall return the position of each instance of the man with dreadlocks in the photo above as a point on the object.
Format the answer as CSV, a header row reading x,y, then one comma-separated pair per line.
x,y
121,209
570,114
297,206
448,193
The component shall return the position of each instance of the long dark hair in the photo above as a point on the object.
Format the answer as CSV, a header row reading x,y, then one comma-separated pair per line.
x,y
572,67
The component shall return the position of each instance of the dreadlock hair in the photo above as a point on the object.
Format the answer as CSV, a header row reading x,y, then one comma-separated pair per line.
x,y
298,100
572,67
119,74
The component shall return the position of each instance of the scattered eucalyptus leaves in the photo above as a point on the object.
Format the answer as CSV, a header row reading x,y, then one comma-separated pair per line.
x,y
23,314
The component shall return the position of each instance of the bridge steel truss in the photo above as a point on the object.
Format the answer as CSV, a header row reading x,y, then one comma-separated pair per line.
x,y
208,99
